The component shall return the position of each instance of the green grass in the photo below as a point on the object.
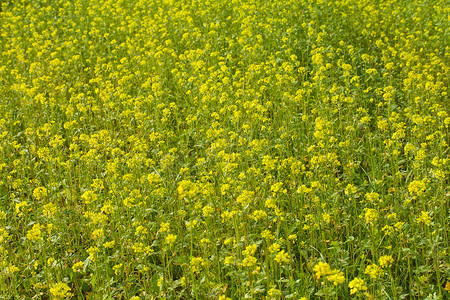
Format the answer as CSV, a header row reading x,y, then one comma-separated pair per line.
x,y
224,149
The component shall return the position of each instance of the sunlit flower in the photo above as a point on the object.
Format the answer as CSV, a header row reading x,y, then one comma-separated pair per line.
x,y
424,218
249,261
170,239
60,290
77,267
373,271
40,193
385,261
34,233
196,263
322,269
357,284
282,257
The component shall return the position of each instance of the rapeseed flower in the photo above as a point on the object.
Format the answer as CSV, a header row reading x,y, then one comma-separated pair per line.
x,y
385,261
249,261
336,278
282,257
274,293
424,218
417,187
49,209
373,270
371,215
34,233
40,193
60,290
196,263
170,239
130,126
77,267
357,285
333,275
207,211
322,269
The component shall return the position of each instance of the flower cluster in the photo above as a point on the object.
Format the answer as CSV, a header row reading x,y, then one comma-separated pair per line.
x,y
282,149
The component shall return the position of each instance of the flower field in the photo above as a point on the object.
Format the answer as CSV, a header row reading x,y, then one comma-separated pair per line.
x,y
241,149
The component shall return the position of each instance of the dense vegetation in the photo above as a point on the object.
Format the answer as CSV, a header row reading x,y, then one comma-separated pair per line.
x,y
283,149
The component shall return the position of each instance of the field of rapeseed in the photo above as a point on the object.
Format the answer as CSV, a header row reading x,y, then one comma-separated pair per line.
x,y
242,149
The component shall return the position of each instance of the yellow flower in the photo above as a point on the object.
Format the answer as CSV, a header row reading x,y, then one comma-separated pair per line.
x,y
227,215
250,250
60,290
89,197
191,224
447,286
373,271
34,233
109,245
273,292
19,207
336,278
356,285
138,247
141,230
116,268
77,267
196,262
40,193
97,184
292,237
333,275
385,261
205,242
282,257
275,247
160,281
424,218
229,241
170,239
372,197
277,187
98,234
207,211
249,261
50,261
326,218
399,225
346,67
4,235
245,198
371,215
258,214
417,187
165,227
92,252
266,234
49,209
187,189
322,269
229,260
12,269
388,230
